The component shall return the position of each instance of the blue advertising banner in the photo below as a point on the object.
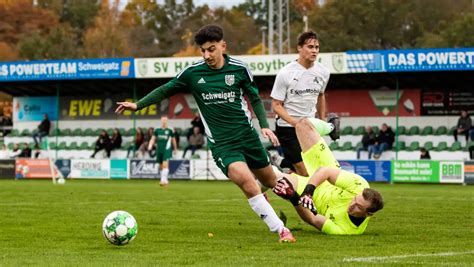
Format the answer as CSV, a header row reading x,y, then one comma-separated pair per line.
x,y
33,108
149,169
64,166
118,168
144,168
429,59
435,59
180,169
365,61
111,68
371,170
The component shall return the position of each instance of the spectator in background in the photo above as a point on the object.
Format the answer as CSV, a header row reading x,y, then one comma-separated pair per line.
x,y
424,154
137,141
43,129
115,142
368,142
4,152
195,122
176,137
196,140
144,147
5,125
384,140
471,152
26,151
103,142
16,151
463,126
37,152
471,133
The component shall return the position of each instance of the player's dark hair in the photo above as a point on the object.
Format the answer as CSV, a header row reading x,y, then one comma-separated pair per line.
x,y
208,33
375,199
305,36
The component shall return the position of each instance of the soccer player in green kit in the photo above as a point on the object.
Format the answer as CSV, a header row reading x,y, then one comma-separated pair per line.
x,y
335,201
165,145
219,84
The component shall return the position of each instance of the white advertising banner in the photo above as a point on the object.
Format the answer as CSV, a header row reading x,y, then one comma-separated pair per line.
x,y
90,168
260,65
451,172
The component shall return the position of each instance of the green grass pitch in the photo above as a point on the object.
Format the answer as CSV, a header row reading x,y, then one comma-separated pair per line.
x,y
47,225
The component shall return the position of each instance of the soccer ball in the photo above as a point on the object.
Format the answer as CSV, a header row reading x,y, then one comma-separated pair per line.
x,y
61,181
119,228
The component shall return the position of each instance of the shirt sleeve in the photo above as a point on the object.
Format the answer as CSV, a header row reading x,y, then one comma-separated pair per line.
x,y
331,228
250,89
326,77
279,88
176,85
351,182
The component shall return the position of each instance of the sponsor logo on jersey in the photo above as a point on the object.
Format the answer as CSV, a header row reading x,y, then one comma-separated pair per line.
x,y
307,91
228,96
318,80
229,80
201,80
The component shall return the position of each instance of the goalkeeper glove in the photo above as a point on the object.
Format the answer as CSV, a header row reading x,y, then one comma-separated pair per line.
x,y
284,189
307,198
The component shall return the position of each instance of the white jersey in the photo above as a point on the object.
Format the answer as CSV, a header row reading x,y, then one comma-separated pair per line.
x,y
299,89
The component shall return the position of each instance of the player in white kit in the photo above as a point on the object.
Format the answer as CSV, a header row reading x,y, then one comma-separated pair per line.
x,y
298,93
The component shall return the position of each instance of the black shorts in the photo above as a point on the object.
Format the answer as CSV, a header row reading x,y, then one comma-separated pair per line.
x,y
289,143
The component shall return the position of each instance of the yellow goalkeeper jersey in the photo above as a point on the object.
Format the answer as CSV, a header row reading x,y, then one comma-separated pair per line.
x,y
332,202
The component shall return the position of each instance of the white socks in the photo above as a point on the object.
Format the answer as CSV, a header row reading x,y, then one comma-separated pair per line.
x,y
323,128
263,209
164,176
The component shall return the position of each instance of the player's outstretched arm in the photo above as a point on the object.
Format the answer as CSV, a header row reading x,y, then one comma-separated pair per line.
x,y
122,106
306,215
323,174
156,96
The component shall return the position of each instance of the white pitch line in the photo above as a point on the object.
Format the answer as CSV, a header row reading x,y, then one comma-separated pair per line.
x,y
465,199
140,202
384,258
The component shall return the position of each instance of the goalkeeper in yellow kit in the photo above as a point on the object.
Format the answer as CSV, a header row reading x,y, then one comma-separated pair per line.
x,y
334,201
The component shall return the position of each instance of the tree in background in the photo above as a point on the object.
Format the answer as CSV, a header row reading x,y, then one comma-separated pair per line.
x,y
106,38
20,19
137,19
388,24
59,43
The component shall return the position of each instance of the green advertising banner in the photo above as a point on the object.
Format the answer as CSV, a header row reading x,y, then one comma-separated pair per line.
x,y
118,168
415,171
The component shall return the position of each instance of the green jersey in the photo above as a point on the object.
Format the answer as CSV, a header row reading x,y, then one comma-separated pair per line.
x,y
163,138
219,94
332,202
